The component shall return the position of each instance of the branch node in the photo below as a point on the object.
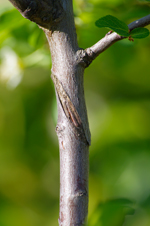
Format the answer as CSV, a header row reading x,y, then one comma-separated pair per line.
x,y
85,57
109,32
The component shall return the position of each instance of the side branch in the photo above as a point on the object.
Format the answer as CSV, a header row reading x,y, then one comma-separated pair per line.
x,y
44,13
88,55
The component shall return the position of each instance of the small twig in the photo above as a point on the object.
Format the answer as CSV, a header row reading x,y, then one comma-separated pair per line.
x,y
144,21
110,38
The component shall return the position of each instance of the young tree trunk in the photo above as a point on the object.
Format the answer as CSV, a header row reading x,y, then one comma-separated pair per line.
x,y
72,126
56,19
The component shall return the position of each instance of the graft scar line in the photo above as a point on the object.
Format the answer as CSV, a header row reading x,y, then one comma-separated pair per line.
x,y
69,109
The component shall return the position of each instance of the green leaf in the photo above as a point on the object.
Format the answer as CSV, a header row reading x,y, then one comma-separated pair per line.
x,y
139,32
114,24
116,209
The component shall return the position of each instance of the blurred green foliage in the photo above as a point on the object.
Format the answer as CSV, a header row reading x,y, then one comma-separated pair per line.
x,y
117,89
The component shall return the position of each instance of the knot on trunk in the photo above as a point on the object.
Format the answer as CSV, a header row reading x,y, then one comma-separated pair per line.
x,y
85,57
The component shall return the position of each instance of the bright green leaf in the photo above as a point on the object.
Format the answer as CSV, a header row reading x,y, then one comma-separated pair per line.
x,y
139,32
114,24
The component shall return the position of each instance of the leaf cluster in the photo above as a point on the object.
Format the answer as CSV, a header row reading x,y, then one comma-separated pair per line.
x,y
121,28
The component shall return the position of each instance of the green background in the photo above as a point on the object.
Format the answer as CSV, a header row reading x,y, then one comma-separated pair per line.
x,y
117,90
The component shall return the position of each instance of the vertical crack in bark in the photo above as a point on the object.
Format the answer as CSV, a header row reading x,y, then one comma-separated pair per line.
x,y
70,110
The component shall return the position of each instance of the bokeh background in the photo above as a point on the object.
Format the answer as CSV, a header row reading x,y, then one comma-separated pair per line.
x,y
117,89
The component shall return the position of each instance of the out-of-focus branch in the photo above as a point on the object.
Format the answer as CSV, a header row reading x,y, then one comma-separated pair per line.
x,y
88,55
45,13
144,21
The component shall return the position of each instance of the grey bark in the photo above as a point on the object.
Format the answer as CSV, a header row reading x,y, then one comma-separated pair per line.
x,y
56,19
72,126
